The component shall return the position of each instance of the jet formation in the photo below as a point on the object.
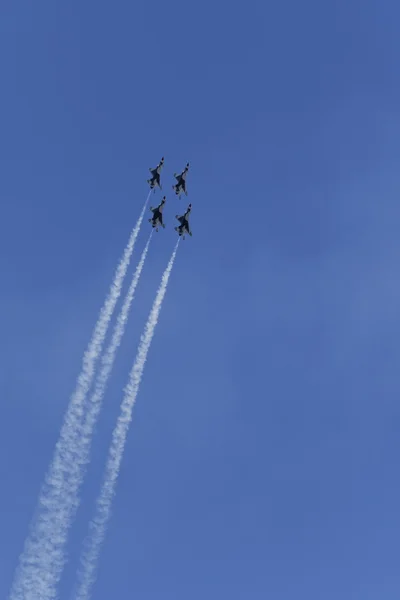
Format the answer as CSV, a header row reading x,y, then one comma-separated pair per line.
x,y
179,188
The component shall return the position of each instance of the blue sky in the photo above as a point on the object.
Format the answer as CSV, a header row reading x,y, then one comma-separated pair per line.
x,y
263,456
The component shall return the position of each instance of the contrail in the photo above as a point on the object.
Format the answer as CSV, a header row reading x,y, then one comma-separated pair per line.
x,y
97,527
43,557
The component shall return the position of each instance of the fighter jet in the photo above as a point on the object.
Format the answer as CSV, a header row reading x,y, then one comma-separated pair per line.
x,y
157,218
155,175
184,223
181,179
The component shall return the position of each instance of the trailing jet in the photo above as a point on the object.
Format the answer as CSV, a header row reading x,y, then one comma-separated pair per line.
x,y
157,218
155,175
184,223
181,179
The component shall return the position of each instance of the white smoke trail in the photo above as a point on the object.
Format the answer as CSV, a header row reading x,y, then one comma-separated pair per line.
x,y
98,525
83,444
43,557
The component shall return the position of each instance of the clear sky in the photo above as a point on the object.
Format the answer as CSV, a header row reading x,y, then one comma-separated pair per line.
x,y
263,457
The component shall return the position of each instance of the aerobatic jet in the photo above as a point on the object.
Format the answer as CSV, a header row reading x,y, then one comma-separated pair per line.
x,y
155,175
184,223
180,187
157,218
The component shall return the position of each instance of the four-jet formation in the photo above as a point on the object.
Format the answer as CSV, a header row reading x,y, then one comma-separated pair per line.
x,y
180,187
155,176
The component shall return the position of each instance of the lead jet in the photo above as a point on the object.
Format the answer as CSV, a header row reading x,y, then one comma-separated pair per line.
x,y
157,219
180,187
155,175
184,223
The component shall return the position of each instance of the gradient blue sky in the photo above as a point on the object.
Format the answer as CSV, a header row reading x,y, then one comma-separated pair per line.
x,y
263,457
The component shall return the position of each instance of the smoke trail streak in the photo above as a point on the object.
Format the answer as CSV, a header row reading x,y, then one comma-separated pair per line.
x,y
42,559
98,525
83,445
